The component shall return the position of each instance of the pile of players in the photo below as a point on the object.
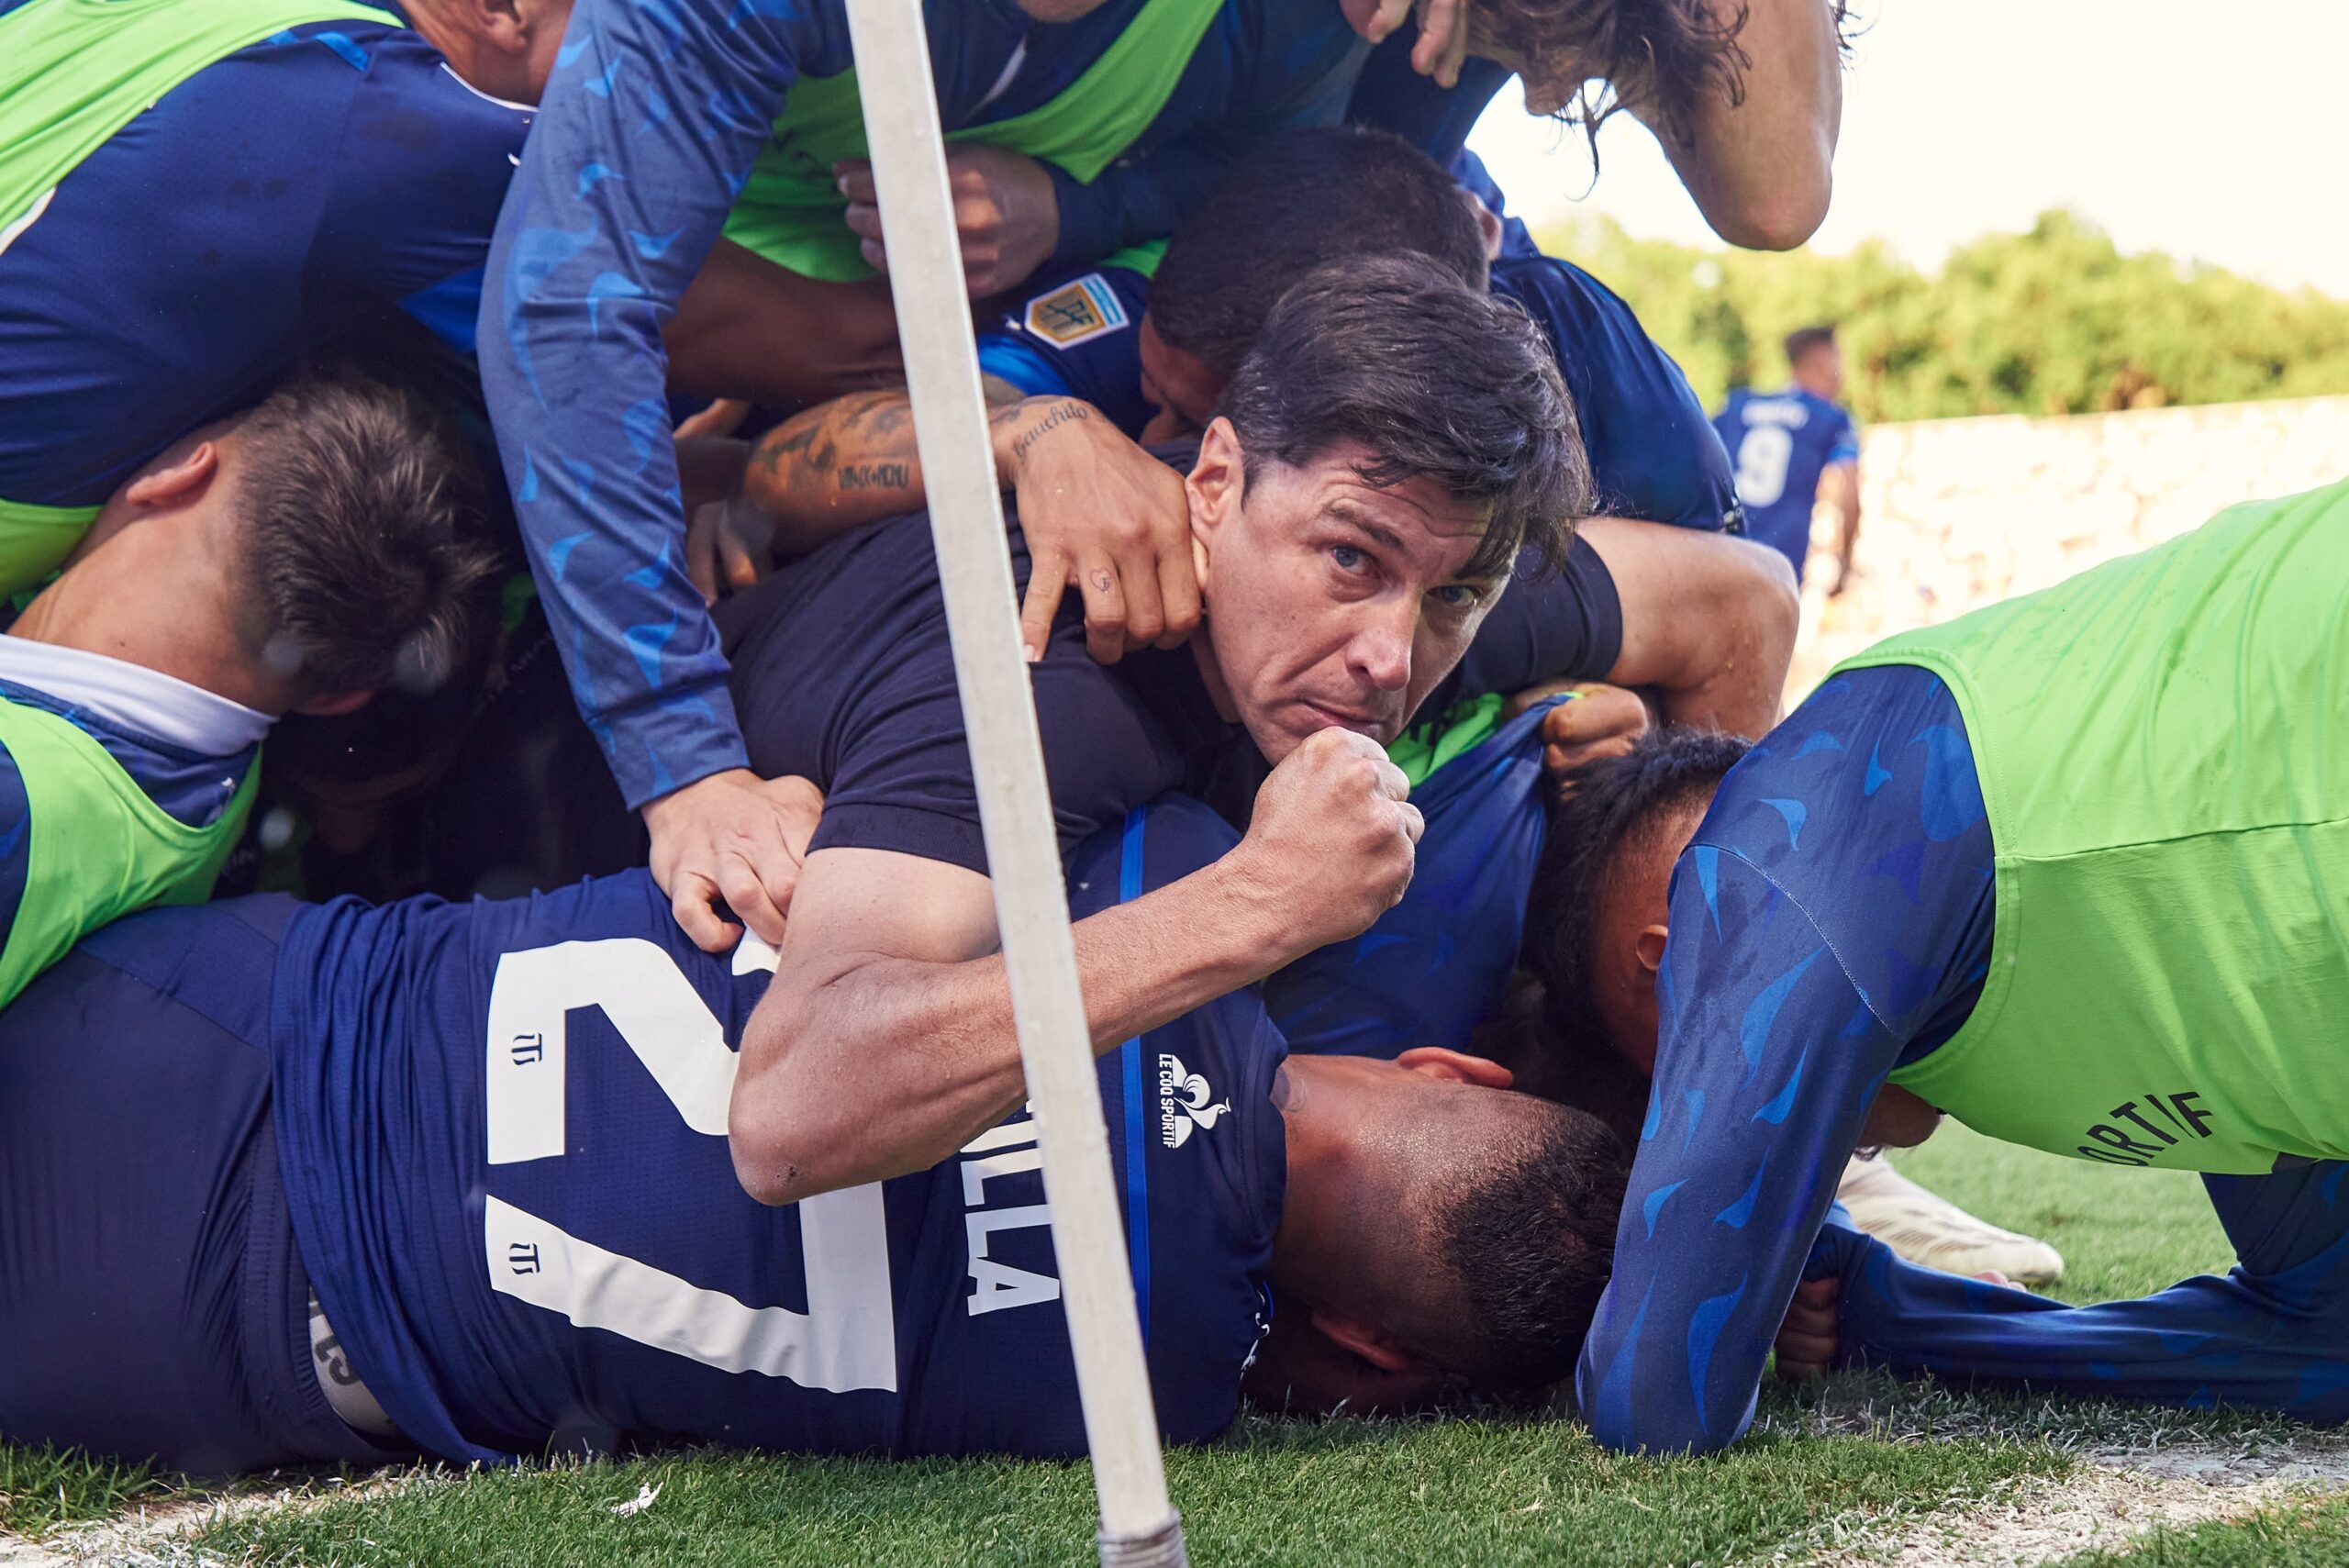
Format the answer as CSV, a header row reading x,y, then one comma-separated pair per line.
x,y
1384,529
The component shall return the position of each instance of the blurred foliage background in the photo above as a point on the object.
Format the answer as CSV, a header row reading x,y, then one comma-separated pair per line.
x,y
2053,321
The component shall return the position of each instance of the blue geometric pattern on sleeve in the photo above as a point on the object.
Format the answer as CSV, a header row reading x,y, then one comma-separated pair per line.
x,y
1829,919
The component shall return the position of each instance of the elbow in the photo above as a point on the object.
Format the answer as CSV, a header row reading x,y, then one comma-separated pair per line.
x,y
1774,607
778,1150
1784,213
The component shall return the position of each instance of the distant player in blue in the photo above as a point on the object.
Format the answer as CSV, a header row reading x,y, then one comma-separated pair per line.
x,y
1795,448
290,1184
298,181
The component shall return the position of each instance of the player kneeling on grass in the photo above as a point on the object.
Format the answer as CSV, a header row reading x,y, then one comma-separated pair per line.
x,y
2070,868
293,558
488,1144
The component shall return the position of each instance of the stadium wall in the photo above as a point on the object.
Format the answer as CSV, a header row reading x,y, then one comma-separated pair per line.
x,y
1957,513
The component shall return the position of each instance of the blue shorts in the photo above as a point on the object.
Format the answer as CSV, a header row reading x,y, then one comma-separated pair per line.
x,y
152,1305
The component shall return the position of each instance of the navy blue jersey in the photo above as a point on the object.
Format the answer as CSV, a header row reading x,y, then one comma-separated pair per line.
x,y
1780,443
292,190
1072,335
1434,968
1831,919
652,117
1391,95
504,1139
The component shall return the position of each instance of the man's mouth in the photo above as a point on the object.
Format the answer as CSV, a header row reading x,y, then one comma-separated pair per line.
x,y
1377,727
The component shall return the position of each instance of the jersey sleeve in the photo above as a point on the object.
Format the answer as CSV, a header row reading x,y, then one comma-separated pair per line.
x,y
647,130
1845,447
1830,920
1074,335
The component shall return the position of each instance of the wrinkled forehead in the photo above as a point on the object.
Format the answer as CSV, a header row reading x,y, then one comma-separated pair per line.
x,y
1413,523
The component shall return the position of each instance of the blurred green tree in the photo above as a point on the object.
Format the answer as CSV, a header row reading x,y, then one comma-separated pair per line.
x,y
2055,320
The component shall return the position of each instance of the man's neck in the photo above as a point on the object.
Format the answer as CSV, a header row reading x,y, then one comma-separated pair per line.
x,y
1202,647
1309,1249
132,600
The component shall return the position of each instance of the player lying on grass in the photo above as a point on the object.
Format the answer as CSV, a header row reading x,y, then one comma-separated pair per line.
x,y
2067,868
293,557
1702,616
291,1183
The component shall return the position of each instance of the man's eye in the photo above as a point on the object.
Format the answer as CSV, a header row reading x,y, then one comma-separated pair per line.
x,y
1348,558
1459,597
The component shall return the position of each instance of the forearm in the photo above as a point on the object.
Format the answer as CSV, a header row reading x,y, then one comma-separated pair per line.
x,y
1761,169
748,329
1708,622
861,1070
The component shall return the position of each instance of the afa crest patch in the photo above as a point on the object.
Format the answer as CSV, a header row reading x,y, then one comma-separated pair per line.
x,y
1077,312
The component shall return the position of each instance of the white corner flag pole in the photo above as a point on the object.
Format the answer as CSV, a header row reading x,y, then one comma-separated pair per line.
x,y
1139,1526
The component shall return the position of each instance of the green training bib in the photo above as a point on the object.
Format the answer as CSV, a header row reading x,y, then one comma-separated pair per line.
x,y
789,211
72,72
2163,749
96,848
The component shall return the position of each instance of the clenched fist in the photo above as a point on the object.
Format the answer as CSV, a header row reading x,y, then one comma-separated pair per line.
x,y
1333,842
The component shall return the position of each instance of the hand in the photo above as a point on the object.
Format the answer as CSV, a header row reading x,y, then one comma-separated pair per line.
x,y
1005,211
1098,511
1809,1337
1443,32
1842,580
1331,843
1601,721
721,417
730,545
737,837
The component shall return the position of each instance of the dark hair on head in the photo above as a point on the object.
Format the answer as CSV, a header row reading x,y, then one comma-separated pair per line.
x,y
1661,54
366,544
1530,1245
1296,202
1438,381
1614,801
1803,339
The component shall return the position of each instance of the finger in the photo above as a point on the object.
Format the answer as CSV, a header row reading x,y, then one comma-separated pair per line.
x,y
1438,18
1455,52
691,901
1145,613
875,256
1567,759
863,221
1178,595
701,550
1045,584
1810,1349
745,895
1105,611
1386,20
1413,823
854,178
1801,1372
1818,1292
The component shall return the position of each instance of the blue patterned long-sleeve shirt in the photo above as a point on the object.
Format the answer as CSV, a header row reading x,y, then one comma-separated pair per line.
x,y
650,122
1831,919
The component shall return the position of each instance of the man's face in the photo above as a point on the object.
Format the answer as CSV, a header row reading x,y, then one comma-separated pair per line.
x,y
1823,372
1175,382
1330,601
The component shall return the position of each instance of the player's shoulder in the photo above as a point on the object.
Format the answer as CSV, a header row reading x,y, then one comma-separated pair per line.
x,y
1072,310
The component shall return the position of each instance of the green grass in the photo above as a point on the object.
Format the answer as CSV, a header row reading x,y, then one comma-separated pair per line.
x,y
1828,1467
41,1489
1277,1493
2122,1233
2303,1534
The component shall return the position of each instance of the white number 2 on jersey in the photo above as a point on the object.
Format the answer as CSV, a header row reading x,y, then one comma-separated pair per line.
x,y
846,1338
1762,458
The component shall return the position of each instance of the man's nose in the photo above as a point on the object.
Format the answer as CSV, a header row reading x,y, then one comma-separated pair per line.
x,y
1382,646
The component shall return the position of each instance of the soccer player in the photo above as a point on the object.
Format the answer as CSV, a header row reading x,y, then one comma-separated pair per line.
x,y
193,193
293,558
1795,448
1745,96
301,1184
2067,868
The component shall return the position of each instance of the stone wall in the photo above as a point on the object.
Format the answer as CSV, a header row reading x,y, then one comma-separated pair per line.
x,y
1956,513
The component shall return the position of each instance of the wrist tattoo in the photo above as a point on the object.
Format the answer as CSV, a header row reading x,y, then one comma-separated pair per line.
x,y
1067,412
875,476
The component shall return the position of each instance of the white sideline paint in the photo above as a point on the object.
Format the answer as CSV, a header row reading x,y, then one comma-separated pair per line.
x,y
1015,806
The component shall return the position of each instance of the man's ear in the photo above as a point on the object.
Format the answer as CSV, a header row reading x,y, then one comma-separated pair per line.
x,y
333,703
1456,1067
1488,224
179,481
1648,944
1375,1346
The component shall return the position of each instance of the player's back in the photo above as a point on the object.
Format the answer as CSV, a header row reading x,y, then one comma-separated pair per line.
x,y
505,1133
1779,444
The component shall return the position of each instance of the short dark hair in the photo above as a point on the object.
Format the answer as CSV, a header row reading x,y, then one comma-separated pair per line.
x,y
1530,1244
1661,54
1437,380
1294,203
366,543
1803,339
1614,801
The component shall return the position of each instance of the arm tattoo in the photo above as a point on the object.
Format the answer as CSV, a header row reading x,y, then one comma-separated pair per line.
x,y
876,476
1067,412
